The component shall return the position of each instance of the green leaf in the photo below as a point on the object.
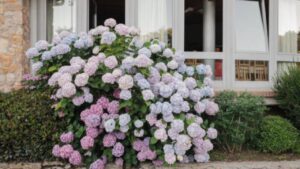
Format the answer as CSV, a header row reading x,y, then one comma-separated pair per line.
x,y
153,140
52,68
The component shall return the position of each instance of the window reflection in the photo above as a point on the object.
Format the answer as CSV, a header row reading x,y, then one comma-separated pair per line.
x,y
216,66
250,70
100,10
289,26
251,25
60,17
155,19
203,25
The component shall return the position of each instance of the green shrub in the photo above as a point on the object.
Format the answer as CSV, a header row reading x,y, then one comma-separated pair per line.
x,y
27,125
287,88
276,135
238,119
296,149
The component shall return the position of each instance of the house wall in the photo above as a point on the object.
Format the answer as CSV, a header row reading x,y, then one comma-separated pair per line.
x,y
14,40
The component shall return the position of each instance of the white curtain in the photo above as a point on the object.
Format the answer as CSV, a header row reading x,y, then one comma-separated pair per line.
x,y
284,66
155,19
288,26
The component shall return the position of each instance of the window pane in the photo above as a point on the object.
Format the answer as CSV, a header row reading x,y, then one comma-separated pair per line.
x,y
155,19
216,66
100,10
203,25
251,34
283,66
289,26
249,70
60,17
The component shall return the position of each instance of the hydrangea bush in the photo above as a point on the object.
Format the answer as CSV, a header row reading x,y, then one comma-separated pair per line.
x,y
126,101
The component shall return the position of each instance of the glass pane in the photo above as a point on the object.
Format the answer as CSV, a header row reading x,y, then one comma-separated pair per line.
x,y
203,27
60,17
251,34
289,26
216,65
283,66
155,19
100,10
249,70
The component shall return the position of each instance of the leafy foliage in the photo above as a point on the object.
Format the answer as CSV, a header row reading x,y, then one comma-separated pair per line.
x,y
287,88
276,135
28,128
238,119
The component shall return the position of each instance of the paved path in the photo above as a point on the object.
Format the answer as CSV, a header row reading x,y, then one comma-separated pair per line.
x,y
213,165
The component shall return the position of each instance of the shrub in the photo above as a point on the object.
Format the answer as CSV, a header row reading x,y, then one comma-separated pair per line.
x,y
238,119
276,135
287,88
27,125
126,101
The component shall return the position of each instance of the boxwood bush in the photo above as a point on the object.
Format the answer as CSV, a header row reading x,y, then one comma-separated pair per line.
x,y
276,135
238,119
27,125
287,88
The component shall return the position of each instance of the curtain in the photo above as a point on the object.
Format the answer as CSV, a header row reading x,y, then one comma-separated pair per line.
x,y
155,19
288,25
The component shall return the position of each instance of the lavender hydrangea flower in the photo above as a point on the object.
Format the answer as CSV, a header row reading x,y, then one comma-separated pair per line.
x,y
68,90
155,48
108,38
125,82
194,130
124,119
143,84
143,61
166,108
176,99
161,134
168,53
32,52
199,107
144,51
161,66
190,83
110,22
41,45
61,49
81,79
111,62
147,95
36,67
165,91
125,95
212,133
177,125
118,150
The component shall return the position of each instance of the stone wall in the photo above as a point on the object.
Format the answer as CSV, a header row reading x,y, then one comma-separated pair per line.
x,y
212,165
14,40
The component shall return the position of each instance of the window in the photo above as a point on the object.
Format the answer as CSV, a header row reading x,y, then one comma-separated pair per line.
x,y
100,10
60,17
249,70
283,66
251,26
217,69
155,19
289,26
203,25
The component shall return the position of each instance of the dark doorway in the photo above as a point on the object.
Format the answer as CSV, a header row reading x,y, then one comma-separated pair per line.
x,y
103,9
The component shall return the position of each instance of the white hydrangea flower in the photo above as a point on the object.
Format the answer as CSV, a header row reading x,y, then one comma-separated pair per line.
x,y
124,119
109,125
138,123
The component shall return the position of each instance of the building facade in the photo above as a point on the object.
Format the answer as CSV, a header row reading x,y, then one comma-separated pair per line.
x,y
247,42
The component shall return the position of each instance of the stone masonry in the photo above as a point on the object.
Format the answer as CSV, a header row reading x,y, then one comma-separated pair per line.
x,y
14,40
211,165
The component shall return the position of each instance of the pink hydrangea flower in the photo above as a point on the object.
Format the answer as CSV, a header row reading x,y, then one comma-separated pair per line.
x,y
211,108
78,100
110,22
75,158
87,142
68,90
143,61
111,62
56,151
170,158
118,150
92,132
125,82
109,140
122,29
67,137
103,101
66,151
113,107
108,78
98,164
212,133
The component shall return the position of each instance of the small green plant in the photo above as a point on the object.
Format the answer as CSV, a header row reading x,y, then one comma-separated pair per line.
x,y
276,135
238,119
27,125
287,88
